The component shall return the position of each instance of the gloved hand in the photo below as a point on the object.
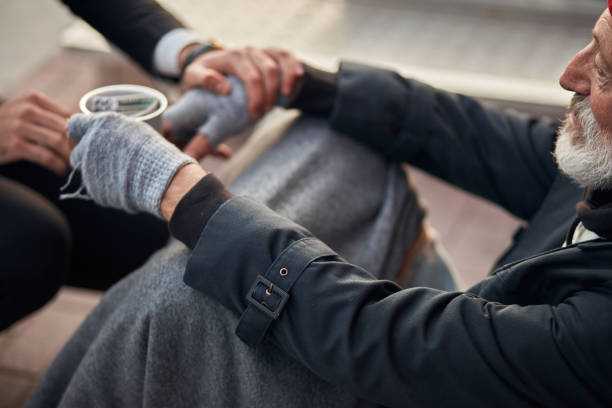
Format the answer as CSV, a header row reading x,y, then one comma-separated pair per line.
x,y
204,114
124,164
215,116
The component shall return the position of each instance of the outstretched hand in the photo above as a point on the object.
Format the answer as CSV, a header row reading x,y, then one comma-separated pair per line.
x,y
33,128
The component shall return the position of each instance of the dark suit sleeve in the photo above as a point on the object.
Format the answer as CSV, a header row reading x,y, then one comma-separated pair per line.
x,y
135,26
494,154
414,347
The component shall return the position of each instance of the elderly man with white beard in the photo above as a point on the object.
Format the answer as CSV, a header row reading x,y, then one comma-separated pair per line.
x,y
537,332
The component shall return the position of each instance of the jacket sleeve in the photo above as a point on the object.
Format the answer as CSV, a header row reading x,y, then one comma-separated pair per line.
x,y
391,346
494,154
135,26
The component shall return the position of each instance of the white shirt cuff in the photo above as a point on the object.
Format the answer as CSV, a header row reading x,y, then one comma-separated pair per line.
x,y
168,48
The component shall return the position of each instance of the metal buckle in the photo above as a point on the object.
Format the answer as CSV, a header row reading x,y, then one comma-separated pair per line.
x,y
275,291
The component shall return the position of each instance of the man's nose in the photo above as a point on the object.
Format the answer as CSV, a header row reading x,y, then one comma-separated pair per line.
x,y
576,77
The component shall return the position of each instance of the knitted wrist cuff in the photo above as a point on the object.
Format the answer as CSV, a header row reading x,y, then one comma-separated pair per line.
x,y
154,168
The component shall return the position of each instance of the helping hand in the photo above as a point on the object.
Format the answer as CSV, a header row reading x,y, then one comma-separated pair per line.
x,y
264,73
33,128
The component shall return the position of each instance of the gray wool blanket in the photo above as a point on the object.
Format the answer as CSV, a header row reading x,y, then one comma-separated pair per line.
x,y
155,342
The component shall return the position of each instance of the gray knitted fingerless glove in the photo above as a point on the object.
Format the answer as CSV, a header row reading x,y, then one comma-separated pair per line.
x,y
216,116
124,163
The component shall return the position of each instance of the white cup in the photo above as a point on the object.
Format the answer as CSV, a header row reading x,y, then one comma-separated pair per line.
x,y
154,119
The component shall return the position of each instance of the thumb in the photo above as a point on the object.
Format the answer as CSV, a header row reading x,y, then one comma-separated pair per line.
x,y
78,126
199,76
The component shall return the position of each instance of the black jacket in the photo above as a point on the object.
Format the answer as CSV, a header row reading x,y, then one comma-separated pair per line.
x,y
538,332
135,26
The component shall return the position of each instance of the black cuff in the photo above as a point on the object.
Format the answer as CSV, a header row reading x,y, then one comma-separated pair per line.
x,y
317,92
195,209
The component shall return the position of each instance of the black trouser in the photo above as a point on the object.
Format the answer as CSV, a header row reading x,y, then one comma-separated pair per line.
x,y
105,244
35,251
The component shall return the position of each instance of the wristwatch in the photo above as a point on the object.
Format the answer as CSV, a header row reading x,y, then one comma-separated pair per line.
x,y
199,50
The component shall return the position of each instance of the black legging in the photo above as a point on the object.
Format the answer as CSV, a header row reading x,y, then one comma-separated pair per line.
x,y
104,244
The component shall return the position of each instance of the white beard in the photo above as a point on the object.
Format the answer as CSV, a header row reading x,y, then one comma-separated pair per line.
x,y
584,152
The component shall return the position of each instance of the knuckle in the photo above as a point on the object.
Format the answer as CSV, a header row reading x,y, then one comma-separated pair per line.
x,y
15,144
45,157
20,125
33,95
209,81
254,80
204,76
272,70
56,141
237,53
49,162
27,111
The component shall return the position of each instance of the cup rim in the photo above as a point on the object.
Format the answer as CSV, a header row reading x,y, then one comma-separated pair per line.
x,y
163,101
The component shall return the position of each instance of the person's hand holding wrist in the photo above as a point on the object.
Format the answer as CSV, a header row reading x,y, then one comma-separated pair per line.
x,y
269,76
264,73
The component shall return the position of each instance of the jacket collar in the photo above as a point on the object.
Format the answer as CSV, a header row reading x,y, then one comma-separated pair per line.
x,y
595,212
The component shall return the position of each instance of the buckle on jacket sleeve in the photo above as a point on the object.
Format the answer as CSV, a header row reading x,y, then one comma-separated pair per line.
x,y
267,297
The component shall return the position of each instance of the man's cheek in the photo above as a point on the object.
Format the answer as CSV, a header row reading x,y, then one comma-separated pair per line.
x,y
603,118
602,111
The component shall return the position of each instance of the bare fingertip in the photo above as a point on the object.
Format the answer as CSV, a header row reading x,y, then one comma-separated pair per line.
x,y
166,129
223,88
